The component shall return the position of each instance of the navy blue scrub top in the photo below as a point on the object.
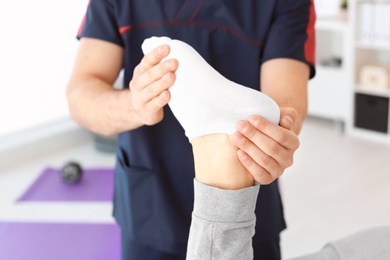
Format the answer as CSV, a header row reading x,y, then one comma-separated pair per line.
x,y
153,197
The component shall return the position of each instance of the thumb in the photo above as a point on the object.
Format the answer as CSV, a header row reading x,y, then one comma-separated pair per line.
x,y
288,116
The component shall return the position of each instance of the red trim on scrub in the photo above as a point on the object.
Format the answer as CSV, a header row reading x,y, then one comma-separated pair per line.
x,y
123,29
311,41
196,10
181,9
81,25
221,27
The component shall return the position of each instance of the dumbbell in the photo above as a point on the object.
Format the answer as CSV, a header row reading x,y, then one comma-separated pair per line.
x,y
71,173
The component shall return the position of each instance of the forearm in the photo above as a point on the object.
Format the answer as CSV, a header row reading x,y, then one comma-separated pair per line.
x,y
294,96
285,81
95,105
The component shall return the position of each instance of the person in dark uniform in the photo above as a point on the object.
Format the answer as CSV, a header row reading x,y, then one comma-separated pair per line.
x,y
265,45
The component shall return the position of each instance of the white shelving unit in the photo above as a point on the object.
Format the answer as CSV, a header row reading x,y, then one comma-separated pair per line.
x,y
330,90
336,93
370,117
331,24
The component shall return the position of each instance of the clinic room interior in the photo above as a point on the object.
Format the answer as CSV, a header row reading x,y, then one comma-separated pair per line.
x,y
56,177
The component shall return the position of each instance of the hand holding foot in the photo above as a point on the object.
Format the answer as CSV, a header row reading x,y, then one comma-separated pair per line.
x,y
149,85
266,149
208,106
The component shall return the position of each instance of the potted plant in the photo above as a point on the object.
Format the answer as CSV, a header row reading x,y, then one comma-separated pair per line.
x,y
344,10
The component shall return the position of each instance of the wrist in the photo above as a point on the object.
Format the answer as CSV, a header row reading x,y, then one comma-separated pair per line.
x,y
132,118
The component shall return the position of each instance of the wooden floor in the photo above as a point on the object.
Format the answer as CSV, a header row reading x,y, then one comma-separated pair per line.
x,y
337,185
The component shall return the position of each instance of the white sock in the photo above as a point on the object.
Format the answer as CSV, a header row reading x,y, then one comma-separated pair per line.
x,y
205,102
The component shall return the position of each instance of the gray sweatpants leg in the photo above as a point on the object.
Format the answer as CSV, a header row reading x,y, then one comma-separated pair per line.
x,y
223,223
369,244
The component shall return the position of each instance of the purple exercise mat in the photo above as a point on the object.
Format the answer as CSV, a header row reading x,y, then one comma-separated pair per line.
x,y
48,241
96,185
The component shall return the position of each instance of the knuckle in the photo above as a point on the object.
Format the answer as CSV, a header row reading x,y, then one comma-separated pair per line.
x,y
263,178
149,74
148,122
152,120
297,144
151,90
240,141
160,86
247,161
266,161
273,148
278,173
160,102
244,144
282,137
250,131
268,181
260,175
290,161
259,122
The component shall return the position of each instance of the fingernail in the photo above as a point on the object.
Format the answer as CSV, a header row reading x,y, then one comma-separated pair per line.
x,y
253,120
242,126
288,121
168,64
162,49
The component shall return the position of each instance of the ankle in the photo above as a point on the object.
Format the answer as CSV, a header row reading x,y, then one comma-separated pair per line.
x,y
216,162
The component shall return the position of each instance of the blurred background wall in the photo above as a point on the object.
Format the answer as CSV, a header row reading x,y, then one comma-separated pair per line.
x,y
37,50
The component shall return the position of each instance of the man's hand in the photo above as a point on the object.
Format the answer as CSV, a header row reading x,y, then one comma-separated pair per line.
x,y
149,85
266,149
